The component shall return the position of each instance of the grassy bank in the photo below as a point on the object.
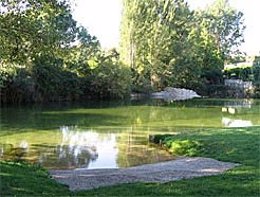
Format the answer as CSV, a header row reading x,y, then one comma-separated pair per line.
x,y
234,145
18,179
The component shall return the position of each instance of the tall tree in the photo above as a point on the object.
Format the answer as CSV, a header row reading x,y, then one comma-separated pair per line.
x,y
150,33
166,43
226,25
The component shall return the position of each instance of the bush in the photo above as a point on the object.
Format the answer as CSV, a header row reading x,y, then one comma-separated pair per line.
x,y
217,91
256,93
47,78
256,71
245,74
183,147
141,83
53,82
7,73
16,84
110,80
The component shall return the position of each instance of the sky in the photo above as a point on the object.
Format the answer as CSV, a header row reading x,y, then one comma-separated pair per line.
x,y
102,19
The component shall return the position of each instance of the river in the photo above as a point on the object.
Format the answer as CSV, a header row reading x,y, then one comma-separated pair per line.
x,y
110,134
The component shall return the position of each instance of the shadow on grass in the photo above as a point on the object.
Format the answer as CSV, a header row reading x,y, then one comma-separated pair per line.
x,y
28,180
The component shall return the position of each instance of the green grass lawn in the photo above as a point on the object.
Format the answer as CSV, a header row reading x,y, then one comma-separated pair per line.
x,y
235,145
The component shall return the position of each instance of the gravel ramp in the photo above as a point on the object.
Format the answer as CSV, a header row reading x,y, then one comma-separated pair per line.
x,y
182,168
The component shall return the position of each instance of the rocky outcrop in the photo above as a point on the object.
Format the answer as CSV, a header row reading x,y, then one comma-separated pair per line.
x,y
175,94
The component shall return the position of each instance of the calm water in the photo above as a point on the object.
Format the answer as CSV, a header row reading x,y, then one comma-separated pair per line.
x,y
110,135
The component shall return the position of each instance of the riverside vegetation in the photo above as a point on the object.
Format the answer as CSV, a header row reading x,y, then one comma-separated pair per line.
x,y
46,56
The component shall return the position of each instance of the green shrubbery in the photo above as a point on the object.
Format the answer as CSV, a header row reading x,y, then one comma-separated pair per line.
x,y
182,147
110,81
54,59
256,71
245,74
16,83
53,82
47,79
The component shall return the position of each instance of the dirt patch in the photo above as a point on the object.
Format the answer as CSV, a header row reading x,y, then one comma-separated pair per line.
x,y
183,168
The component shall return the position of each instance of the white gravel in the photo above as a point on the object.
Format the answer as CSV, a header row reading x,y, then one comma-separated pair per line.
x,y
182,168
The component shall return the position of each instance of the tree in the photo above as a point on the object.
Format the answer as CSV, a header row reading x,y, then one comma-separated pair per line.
x,y
32,28
151,31
256,70
226,25
166,43
46,56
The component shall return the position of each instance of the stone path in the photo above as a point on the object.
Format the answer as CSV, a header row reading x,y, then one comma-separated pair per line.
x,y
183,168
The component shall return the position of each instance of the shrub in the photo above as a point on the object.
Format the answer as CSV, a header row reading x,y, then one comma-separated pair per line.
x,y
141,83
48,78
53,82
256,71
7,74
16,84
183,147
243,73
110,80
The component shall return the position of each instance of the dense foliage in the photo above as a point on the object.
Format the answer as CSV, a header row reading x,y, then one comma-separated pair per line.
x,y
243,73
256,73
46,56
167,44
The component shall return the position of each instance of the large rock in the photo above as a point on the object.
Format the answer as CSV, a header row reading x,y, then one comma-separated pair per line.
x,y
175,94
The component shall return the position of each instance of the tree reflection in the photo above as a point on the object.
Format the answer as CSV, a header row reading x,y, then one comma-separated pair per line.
x,y
134,149
11,152
74,149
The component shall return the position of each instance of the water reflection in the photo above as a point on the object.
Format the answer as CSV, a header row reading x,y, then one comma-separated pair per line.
x,y
100,146
75,149
14,153
77,143
245,103
72,148
227,122
119,135
233,108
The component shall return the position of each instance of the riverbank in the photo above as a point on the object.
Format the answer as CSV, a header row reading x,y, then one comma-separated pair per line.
x,y
162,172
238,145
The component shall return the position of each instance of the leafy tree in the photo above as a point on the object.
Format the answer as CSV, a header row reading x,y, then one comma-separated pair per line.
x,y
166,43
256,70
109,77
32,28
151,32
226,25
46,56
